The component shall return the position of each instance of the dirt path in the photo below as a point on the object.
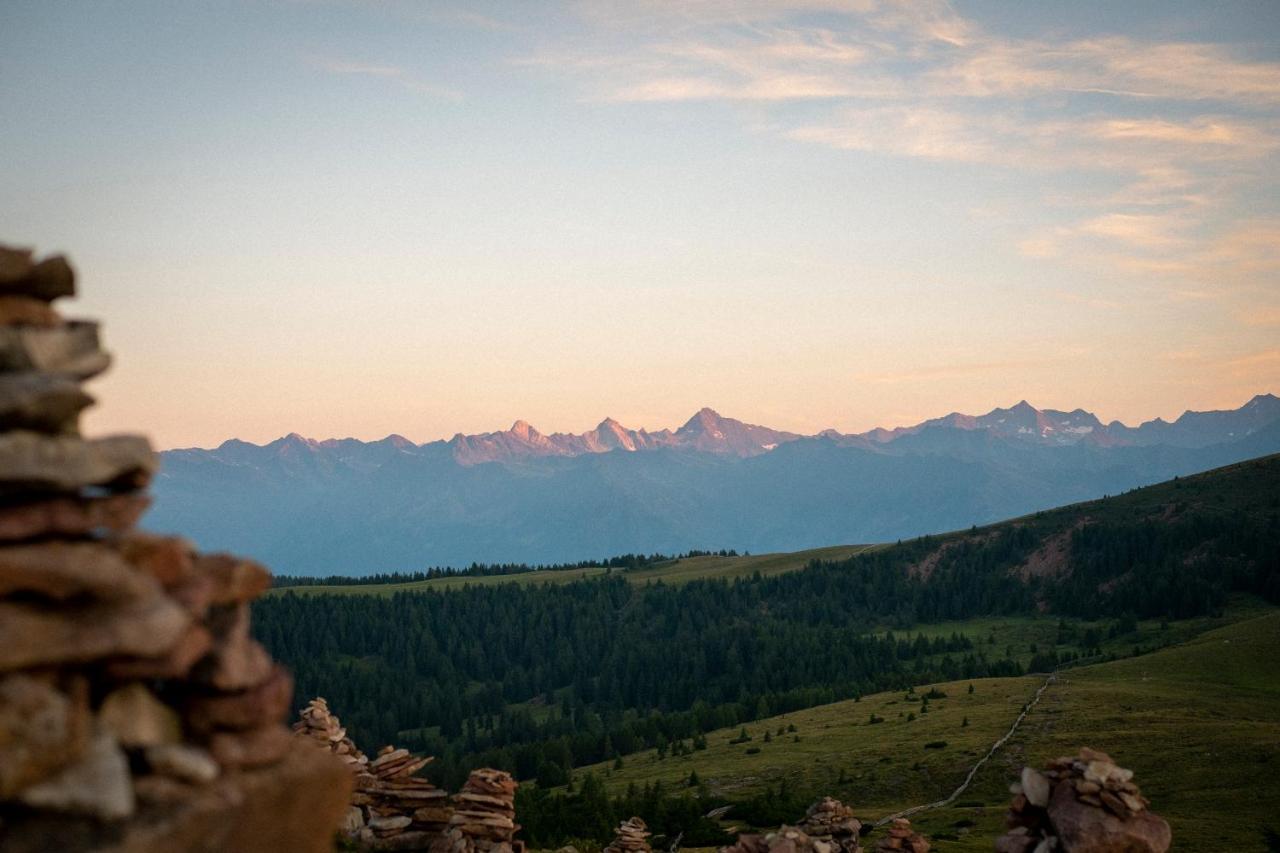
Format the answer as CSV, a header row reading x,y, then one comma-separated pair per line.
x,y
973,771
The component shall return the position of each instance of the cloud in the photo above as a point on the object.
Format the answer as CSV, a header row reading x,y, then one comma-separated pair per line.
x,y
397,74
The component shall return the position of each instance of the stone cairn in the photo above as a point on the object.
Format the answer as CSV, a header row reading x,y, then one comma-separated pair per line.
x,y
136,711
900,836
318,723
832,821
827,827
632,837
484,815
1081,804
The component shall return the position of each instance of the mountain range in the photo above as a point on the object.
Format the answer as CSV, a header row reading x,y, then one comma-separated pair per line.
x,y
344,506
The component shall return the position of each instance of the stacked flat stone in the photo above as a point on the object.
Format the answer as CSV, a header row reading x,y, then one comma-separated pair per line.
x,y
898,835
483,816
632,837
392,808
832,821
324,728
787,839
134,705
1084,803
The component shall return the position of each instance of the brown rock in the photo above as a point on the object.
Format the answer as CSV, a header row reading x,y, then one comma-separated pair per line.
x,y
237,662
1087,829
97,784
40,402
71,516
183,761
42,729
63,570
235,580
30,460
70,350
194,644
31,635
255,748
168,559
48,280
26,311
249,709
137,718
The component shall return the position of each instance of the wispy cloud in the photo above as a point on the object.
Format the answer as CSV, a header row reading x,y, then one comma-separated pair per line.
x,y
398,75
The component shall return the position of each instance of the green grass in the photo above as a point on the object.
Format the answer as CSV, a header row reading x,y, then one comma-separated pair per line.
x,y
1198,722
674,572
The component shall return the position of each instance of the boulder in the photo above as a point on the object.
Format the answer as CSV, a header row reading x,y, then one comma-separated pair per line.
x,y
1085,828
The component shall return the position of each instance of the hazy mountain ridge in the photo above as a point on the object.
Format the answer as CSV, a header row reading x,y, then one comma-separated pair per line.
x,y
350,507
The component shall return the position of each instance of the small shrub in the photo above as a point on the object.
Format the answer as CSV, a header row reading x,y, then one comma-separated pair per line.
x,y
936,744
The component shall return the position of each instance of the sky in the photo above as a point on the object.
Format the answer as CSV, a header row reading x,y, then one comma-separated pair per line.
x,y
361,218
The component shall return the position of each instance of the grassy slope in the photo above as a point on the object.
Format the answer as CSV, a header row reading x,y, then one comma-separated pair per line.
x,y
677,571
1198,722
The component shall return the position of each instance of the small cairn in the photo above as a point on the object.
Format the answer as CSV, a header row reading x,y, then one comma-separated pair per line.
x,y
900,836
392,809
632,837
832,821
786,839
322,726
484,815
1081,804
136,710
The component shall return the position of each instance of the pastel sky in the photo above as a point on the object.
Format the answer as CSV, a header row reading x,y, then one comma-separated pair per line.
x,y
357,218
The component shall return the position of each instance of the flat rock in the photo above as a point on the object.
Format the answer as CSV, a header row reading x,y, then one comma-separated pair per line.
x,y
234,579
1088,829
194,644
26,311
249,709
64,570
41,402
98,784
66,516
168,559
184,762
65,463
70,350
49,279
137,718
31,635
42,729
256,748
1035,787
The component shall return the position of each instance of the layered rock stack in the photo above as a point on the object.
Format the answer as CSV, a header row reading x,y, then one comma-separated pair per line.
x,y
787,839
397,809
484,816
136,712
1081,804
898,835
832,821
632,837
320,725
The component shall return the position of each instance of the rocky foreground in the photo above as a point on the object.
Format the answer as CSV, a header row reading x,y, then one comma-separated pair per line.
x,y
136,711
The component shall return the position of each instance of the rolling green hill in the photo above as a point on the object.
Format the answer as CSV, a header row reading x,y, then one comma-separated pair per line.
x,y
1199,723
674,572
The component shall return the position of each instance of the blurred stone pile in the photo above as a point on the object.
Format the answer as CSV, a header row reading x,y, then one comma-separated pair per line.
x,y
484,815
831,820
898,835
316,722
632,837
135,709
786,839
1081,804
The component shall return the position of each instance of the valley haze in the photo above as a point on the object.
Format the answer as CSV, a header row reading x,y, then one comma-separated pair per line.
x,y
344,506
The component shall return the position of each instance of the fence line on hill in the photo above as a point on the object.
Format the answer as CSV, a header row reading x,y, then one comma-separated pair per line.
x,y
973,771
